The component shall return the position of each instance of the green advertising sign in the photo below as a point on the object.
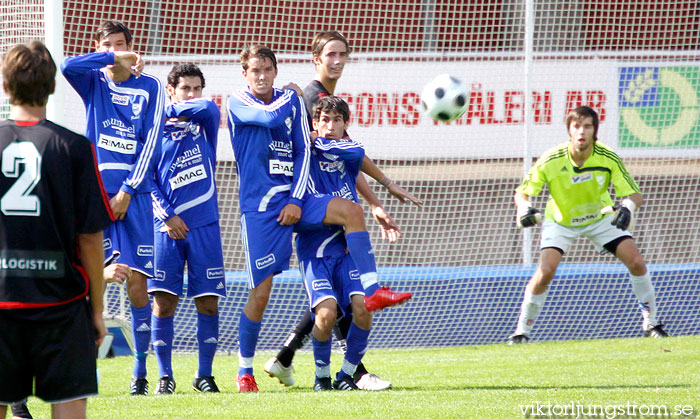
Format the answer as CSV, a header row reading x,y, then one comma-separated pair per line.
x,y
659,107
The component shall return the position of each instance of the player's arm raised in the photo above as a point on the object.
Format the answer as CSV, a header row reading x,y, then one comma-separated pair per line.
x,y
394,189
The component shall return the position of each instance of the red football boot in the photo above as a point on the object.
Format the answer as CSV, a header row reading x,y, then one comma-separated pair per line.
x,y
384,297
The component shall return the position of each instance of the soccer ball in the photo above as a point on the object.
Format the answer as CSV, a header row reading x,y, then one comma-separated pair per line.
x,y
444,98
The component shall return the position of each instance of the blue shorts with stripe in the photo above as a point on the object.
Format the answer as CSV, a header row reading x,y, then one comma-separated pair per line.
x,y
130,241
268,245
201,249
331,277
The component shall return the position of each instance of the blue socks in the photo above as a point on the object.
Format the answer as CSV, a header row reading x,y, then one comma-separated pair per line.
x,y
162,337
141,330
360,248
248,332
322,357
357,340
207,339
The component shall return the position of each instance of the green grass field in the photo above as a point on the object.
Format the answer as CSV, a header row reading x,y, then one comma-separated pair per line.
x,y
457,382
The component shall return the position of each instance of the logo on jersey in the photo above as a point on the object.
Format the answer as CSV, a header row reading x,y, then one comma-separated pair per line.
x,y
583,219
582,178
118,125
321,284
288,122
330,167
191,175
136,108
266,261
214,273
188,158
120,99
278,167
281,148
180,130
31,264
160,275
107,244
601,180
354,275
344,192
117,144
144,250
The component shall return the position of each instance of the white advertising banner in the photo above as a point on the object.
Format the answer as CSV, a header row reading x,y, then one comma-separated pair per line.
x,y
384,99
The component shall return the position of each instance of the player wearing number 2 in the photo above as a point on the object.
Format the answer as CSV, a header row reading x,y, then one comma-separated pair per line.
x,y
54,209
578,174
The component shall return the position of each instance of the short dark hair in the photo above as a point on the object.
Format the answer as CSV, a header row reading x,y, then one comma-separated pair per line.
x,y
321,39
29,74
109,27
584,112
184,70
259,51
329,104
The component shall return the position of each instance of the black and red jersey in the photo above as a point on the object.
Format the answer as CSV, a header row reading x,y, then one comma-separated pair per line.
x,y
50,191
312,93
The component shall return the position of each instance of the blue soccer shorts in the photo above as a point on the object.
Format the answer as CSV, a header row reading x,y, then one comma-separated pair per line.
x,y
267,245
313,211
201,249
130,241
331,277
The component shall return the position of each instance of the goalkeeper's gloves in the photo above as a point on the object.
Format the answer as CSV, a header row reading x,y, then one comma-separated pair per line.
x,y
528,216
624,215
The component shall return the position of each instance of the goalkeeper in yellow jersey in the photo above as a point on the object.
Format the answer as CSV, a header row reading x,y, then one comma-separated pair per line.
x,y
578,174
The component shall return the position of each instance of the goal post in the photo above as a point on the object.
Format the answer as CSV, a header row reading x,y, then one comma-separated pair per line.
x,y
525,63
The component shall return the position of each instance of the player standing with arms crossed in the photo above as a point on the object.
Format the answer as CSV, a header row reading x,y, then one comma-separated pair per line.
x,y
330,51
578,174
125,123
53,212
187,225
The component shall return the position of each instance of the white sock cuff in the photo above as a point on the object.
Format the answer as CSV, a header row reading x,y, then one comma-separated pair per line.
x,y
323,371
245,362
348,368
368,279
642,278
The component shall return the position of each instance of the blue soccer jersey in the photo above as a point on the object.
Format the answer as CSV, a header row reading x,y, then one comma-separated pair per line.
x,y
185,184
124,121
270,144
335,165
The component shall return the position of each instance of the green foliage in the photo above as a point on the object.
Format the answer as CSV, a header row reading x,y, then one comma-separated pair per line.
x,y
456,382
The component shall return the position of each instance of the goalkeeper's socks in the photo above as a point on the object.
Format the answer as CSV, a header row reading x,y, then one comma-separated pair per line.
x,y
208,340
357,345
322,357
529,310
644,290
360,248
162,337
248,332
141,330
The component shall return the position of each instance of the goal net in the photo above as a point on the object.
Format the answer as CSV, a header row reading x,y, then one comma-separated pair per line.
x,y
525,64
